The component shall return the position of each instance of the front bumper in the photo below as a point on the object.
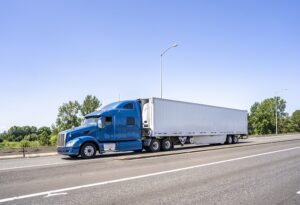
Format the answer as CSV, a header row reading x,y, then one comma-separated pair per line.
x,y
68,150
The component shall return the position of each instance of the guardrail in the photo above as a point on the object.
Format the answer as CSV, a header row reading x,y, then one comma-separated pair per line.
x,y
271,135
26,150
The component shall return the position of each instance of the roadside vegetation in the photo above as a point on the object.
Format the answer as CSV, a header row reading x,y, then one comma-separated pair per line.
x,y
261,121
262,118
69,114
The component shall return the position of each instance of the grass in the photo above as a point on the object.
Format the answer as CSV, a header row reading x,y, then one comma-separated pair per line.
x,y
23,143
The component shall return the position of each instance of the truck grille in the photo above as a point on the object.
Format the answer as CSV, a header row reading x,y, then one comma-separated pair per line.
x,y
61,139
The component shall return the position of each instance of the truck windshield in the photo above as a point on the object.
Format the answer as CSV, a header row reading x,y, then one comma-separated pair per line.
x,y
90,121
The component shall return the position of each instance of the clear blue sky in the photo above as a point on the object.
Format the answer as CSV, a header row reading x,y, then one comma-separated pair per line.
x,y
230,53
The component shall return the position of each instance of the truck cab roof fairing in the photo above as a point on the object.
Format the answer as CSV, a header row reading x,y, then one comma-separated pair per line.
x,y
111,106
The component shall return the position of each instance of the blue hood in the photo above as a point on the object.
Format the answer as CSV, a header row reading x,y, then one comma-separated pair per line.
x,y
86,130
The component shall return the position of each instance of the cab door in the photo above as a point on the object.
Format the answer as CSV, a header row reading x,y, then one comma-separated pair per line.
x,y
108,129
132,131
127,127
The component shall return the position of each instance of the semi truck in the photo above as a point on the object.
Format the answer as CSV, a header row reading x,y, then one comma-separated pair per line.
x,y
152,124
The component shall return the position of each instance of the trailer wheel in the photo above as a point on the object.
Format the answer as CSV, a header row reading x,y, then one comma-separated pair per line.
x,y
235,139
190,140
229,139
88,150
166,144
154,146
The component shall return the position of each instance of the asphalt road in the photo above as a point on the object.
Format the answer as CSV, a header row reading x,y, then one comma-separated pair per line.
x,y
256,171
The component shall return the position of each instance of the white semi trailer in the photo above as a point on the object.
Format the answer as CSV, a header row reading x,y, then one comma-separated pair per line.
x,y
177,122
152,124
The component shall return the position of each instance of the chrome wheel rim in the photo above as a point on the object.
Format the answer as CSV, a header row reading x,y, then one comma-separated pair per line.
x,y
155,145
167,144
89,151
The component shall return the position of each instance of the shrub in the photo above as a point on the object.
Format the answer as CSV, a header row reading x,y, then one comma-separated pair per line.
x,y
44,139
53,140
24,143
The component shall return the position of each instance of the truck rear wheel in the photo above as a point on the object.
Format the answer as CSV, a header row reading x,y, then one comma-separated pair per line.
x,y
235,139
154,146
229,139
166,144
88,150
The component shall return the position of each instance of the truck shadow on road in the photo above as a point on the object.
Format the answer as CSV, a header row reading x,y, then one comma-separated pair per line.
x,y
177,150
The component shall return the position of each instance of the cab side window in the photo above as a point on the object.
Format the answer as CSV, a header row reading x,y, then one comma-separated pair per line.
x,y
108,121
128,106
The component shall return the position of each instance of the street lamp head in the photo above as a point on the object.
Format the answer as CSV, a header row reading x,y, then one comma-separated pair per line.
x,y
175,45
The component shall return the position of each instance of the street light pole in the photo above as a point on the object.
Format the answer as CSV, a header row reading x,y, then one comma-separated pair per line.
x,y
161,76
161,68
276,115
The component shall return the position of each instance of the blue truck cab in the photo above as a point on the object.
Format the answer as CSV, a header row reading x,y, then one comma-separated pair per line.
x,y
116,127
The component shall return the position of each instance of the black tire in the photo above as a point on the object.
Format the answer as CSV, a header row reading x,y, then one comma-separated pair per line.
x,y
190,140
154,146
146,148
229,140
88,150
166,144
235,139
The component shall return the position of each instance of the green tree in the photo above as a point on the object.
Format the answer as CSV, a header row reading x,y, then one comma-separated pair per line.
x,y
54,129
286,125
44,135
45,130
262,118
25,143
252,118
31,137
68,115
1,137
296,120
5,136
44,139
90,104
16,133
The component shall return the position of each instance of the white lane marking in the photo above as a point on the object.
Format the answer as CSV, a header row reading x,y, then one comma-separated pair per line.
x,y
50,164
142,176
38,165
55,194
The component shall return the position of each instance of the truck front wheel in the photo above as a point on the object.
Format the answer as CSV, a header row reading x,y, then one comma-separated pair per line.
x,y
154,146
88,150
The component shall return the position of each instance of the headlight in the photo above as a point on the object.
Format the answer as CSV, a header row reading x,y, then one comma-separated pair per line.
x,y
71,143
